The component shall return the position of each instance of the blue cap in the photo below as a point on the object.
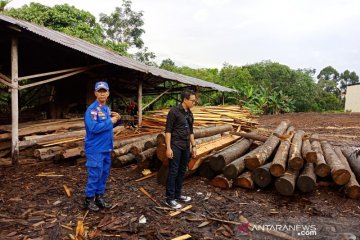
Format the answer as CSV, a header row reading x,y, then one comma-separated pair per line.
x,y
101,85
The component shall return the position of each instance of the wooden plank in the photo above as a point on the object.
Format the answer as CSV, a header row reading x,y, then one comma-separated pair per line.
x,y
14,101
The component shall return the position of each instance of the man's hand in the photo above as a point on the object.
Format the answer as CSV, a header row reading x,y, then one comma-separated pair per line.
x,y
194,152
169,153
115,114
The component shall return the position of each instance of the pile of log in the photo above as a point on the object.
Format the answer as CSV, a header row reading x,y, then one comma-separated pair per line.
x,y
210,115
287,159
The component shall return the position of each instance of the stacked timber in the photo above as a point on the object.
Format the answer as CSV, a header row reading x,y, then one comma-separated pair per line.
x,y
224,114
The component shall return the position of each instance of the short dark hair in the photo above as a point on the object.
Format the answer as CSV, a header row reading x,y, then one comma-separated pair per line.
x,y
186,94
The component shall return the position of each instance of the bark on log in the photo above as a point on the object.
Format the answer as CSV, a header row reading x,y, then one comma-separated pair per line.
x,y
262,176
207,139
278,166
51,156
322,169
233,169
210,131
74,134
262,153
222,182
145,155
123,160
307,152
245,180
296,161
72,152
123,142
352,188
353,157
339,173
140,146
253,136
307,179
219,160
206,171
285,184
47,150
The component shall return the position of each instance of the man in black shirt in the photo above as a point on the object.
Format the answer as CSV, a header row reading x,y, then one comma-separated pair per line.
x,y
178,136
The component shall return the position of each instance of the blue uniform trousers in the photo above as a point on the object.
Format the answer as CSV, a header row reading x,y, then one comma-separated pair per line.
x,y
98,168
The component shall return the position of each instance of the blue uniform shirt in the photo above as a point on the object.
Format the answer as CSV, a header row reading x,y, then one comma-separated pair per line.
x,y
99,129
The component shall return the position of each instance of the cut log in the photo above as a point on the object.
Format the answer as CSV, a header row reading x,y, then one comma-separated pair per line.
x,y
145,155
352,188
47,150
51,156
245,180
278,166
206,171
307,152
252,136
72,152
262,153
296,161
161,153
45,138
322,169
339,173
222,182
233,169
207,139
307,179
140,146
353,157
219,160
123,160
285,184
126,141
262,176
207,147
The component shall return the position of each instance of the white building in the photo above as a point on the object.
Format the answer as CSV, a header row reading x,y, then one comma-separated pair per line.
x,y
352,100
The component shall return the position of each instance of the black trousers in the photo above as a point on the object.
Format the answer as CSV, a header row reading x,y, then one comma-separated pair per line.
x,y
177,169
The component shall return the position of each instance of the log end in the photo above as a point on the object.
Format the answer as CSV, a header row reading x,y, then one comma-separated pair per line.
x,y
353,192
284,187
161,152
306,184
261,177
244,183
277,170
216,163
296,163
341,176
322,170
311,157
221,182
252,162
230,172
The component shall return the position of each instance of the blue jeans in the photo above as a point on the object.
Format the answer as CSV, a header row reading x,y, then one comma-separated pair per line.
x,y
98,168
177,170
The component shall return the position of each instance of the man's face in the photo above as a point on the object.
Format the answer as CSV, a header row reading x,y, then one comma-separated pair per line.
x,y
102,95
191,101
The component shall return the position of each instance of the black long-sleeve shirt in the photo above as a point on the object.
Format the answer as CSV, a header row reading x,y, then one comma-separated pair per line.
x,y
180,124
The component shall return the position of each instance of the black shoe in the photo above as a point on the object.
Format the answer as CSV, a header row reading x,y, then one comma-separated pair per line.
x,y
89,204
100,202
173,204
184,199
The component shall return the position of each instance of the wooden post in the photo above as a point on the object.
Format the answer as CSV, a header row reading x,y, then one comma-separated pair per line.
x,y
223,98
14,101
139,101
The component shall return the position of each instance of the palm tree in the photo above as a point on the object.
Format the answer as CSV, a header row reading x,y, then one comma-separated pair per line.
x,y
3,4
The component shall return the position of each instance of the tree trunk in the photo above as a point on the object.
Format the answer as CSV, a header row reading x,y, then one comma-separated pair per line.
x,y
262,153
123,160
140,146
322,169
278,166
307,179
353,157
206,171
262,176
245,180
285,184
307,152
222,182
233,169
339,173
352,188
296,161
253,136
219,160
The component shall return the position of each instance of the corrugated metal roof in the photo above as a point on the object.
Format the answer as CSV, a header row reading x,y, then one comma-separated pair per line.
x,y
109,56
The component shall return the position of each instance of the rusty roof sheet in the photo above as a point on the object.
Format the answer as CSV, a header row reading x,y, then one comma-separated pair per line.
x,y
109,56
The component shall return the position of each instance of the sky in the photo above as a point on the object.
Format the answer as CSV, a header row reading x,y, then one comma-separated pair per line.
x,y
209,33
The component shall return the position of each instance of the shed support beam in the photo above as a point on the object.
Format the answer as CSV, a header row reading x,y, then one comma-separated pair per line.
x,y
14,101
139,100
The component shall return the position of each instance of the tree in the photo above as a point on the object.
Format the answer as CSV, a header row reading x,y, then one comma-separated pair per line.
x,y
347,78
328,80
3,4
124,25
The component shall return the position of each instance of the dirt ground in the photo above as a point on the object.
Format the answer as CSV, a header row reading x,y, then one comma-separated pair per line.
x,y
33,207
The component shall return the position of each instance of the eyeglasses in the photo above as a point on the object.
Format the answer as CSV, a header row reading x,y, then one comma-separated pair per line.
x,y
193,100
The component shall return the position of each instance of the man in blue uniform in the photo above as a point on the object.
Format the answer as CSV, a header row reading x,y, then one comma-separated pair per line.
x,y
99,123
